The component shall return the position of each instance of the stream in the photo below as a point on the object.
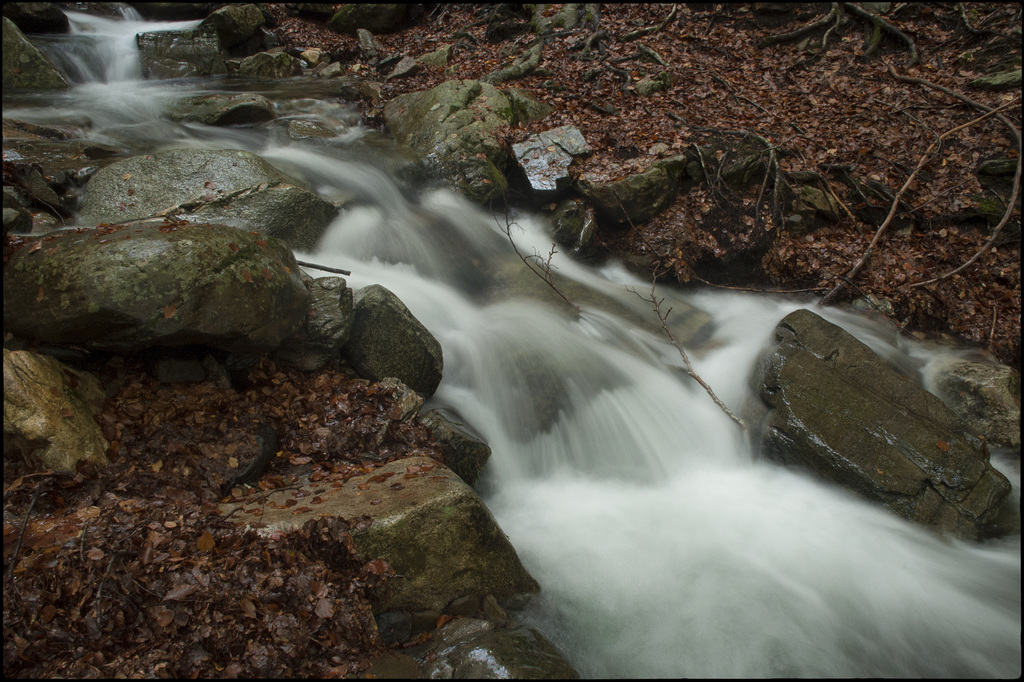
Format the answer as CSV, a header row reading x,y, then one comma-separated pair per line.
x,y
663,546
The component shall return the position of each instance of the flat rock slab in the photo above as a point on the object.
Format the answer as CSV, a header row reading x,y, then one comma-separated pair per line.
x,y
428,524
841,412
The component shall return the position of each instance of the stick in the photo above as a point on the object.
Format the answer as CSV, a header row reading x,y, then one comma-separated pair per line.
x,y
324,268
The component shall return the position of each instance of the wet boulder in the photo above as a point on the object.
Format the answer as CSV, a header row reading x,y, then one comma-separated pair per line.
x,y
49,413
181,54
427,524
456,127
326,329
985,395
222,109
221,186
388,341
545,157
837,410
574,226
25,66
160,284
465,453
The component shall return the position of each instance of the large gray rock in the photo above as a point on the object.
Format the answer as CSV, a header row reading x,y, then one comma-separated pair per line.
x,y
234,23
638,197
837,410
165,284
49,413
24,66
985,395
181,54
427,524
221,186
388,341
456,127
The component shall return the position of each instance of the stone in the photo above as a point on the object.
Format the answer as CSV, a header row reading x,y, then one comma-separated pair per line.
x,y
985,395
456,127
1004,80
25,66
234,23
159,284
327,328
49,412
637,198
837,410
222,110
574,226
388,341
181,54
427,524
223,186
545,158
465,452
407,66
369,46
470,648
270,66
437,58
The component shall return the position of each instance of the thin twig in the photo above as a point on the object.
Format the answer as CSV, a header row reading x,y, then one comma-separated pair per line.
x,y
21,535
545,270
653,299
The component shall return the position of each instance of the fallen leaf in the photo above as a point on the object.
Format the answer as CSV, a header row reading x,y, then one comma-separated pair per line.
x,y
206,542
179,592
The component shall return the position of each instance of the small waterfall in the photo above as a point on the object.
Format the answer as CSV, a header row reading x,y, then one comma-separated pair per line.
x,y
101,49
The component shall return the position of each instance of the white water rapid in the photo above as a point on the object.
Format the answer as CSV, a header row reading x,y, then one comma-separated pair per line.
x,y
663,547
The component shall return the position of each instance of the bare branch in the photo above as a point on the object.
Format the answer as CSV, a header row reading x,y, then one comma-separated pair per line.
x,y
653,299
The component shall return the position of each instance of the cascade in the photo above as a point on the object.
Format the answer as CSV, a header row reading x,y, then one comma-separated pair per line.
x,y
664,547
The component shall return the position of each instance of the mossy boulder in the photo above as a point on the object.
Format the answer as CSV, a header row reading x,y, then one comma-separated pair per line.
x,y
456,126
161,284
25,66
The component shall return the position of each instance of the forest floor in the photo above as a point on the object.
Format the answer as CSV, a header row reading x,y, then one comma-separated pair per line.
x,y
826,111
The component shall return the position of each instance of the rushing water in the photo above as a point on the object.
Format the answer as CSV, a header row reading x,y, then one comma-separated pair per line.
x,y
664,548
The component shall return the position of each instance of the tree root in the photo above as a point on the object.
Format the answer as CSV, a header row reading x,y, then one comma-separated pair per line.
x,y
523,65
834,17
